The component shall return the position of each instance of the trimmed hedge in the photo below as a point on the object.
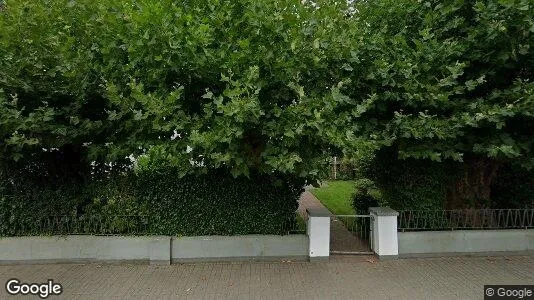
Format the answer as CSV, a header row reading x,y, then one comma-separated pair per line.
x,y
162,203
218,204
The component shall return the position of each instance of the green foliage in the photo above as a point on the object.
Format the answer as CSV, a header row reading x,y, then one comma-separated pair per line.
x,y
269,87
440,80
234,81
407,184
301,223
24,199
513,188
362,201
156,203
218,204
420,185
366,195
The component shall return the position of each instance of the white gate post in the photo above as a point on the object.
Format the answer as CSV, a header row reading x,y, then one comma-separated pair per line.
x,y
318,233
384,235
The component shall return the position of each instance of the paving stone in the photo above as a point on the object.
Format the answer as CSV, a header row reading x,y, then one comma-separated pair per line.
x,y
343,277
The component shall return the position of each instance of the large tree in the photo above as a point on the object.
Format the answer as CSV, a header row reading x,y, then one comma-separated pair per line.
x,y
445,81
187,83
268,85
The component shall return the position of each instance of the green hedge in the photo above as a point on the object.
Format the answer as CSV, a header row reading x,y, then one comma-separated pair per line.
x,y
219,204
151,203
413,184
513,188
406,184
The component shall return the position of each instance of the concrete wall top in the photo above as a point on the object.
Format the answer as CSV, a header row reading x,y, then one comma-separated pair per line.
x,y
383,211
318,212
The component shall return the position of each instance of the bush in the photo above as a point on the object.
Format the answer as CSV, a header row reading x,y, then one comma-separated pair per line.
x,y
513,188
424,185
365,196
151,203
27,197
219,204
411,183
362,201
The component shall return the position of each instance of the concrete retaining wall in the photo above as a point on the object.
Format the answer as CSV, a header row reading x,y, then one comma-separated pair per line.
x,y
153,249
424,243
246,247
81,248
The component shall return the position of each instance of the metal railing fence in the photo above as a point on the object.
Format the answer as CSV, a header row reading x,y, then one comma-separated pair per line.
x,y
420,220
359,238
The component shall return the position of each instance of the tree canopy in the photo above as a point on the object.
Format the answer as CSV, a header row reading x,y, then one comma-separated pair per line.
x,y
274,86
444,81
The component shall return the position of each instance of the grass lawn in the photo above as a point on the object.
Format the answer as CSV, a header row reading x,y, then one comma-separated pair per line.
x,y
336,196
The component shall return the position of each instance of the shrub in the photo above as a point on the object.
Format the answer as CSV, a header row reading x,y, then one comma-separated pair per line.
x,y
421,185
219,204
29,195
156,202
361,201
366,195
411,183
513,188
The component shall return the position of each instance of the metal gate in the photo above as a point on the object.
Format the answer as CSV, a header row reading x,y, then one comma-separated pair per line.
x,y
351,234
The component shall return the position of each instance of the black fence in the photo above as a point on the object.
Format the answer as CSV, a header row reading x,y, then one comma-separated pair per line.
x,y
420,220
350,234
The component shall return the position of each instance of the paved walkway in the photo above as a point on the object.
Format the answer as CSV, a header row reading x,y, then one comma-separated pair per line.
x,y
341,278
308,200
341,239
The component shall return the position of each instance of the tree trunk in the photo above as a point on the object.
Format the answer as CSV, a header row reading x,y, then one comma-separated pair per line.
x,y
473,187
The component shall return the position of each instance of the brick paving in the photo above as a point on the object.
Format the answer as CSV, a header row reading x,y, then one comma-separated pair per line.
x,y
341,239
342,278
308,200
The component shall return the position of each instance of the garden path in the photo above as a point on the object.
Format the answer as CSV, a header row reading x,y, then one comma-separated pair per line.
x,y
341,239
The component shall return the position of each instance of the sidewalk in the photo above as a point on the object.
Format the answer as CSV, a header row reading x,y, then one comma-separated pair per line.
x,y
341,278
